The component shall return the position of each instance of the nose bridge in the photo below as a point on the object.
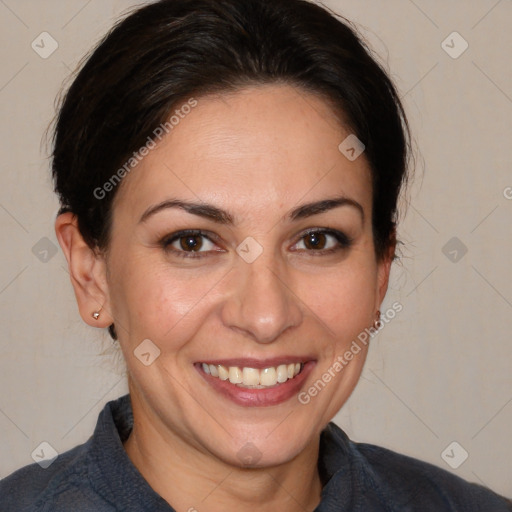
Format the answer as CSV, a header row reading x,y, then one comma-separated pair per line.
x,y
262,305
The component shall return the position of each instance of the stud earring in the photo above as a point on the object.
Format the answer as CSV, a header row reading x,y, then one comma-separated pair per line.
x,y
96,315
377,321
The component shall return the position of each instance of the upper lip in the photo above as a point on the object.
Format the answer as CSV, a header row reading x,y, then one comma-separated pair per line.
x,y
248,362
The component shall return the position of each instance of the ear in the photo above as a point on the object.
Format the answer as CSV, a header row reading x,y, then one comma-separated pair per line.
x,y
384,269
87,270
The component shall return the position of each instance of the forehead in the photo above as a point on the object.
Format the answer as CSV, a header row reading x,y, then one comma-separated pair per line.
x,y
261,147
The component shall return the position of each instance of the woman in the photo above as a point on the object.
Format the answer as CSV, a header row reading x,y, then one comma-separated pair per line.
x,y
228,174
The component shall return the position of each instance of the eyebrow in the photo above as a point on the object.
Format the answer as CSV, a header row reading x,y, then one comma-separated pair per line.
x,y
223,217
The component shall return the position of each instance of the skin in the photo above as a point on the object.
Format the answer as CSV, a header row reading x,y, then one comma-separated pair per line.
x,y
257,153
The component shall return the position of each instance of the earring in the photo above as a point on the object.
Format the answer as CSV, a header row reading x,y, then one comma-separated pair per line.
x,y
96,315
377,321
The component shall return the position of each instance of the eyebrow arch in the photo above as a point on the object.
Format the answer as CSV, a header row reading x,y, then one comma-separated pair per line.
x,y
202,210
223,217
309,209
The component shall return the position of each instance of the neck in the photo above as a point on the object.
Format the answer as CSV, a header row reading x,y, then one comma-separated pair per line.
x,y
191,480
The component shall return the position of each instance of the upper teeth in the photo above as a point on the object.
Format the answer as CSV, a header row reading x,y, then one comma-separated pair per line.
x,y
252,377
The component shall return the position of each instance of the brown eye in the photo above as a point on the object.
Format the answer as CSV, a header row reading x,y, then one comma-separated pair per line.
x,y
323,241
191,242
315,241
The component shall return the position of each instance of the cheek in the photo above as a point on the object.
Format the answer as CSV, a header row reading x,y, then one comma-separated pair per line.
x,y
343,300
160,304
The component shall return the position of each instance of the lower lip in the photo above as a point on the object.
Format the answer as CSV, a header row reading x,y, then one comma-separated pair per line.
x,y
259,397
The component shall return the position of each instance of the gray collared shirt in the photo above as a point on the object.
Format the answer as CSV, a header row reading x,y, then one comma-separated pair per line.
x,y
98,476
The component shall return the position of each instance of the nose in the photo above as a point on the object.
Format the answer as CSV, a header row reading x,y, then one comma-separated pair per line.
x,y
260,304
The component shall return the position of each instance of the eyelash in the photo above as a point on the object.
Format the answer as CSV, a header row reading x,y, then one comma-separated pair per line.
x,y
344,242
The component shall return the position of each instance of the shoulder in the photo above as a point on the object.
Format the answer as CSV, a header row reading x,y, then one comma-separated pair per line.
x,y
386,480
61,485
413,481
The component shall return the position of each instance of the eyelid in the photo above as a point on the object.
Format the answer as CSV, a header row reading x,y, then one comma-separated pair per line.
x,y
169,238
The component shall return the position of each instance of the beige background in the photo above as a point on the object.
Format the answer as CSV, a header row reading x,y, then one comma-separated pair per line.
x,y
440,372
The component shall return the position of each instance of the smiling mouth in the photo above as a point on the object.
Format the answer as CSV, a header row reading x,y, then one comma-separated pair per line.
x,y
254,378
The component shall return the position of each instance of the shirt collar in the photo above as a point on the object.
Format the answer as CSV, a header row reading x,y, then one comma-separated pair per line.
x,y
118,481
114,476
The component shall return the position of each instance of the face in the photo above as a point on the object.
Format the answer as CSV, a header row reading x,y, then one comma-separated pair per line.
x,y
242,248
